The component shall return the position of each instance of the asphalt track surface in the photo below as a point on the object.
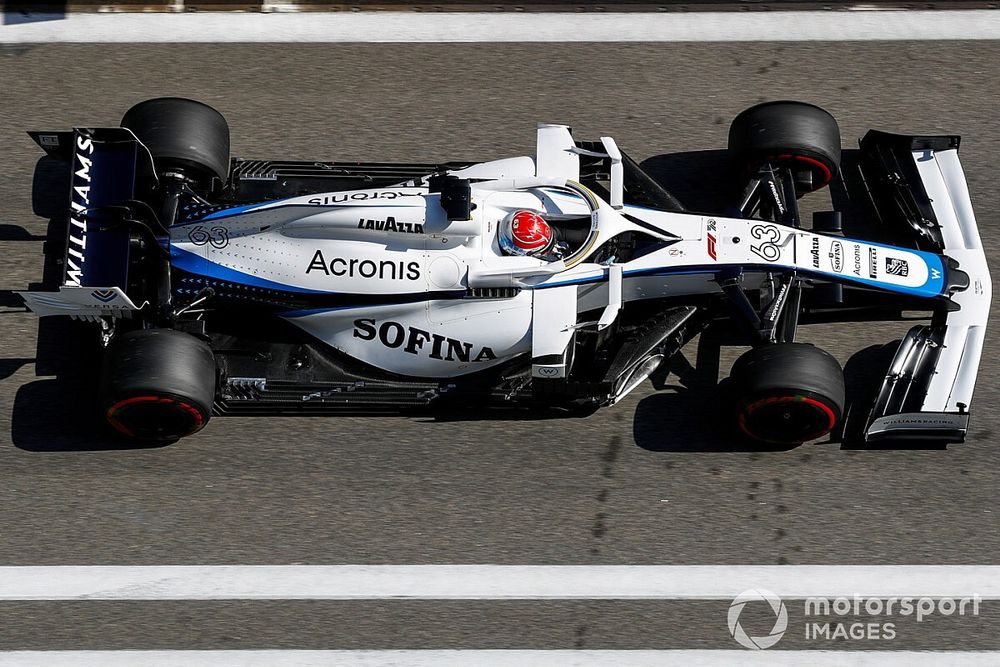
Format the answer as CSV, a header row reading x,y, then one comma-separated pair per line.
x,y
654,480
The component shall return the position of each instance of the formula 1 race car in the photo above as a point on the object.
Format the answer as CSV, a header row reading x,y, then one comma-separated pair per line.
x,y
563,279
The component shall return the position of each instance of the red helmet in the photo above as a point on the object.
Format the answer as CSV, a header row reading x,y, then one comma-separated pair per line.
x,y
525,233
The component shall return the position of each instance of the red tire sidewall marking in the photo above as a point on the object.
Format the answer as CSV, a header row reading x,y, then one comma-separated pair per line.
x,y
812,162
748,410
112,413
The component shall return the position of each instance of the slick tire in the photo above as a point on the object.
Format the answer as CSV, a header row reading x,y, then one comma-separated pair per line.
x,y
787,393
183,135
801,136
158,384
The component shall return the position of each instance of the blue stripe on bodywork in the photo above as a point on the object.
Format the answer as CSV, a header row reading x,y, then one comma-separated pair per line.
x,y
306,312
197,265
389,300
229,212
266,206
652,271
253,208
932,287
234,211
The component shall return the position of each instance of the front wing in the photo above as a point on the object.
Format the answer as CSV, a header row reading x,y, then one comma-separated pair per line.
x,y
919,182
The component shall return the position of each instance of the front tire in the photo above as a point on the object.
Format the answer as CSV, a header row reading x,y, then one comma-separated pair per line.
x,y
803,137
788,393
158,384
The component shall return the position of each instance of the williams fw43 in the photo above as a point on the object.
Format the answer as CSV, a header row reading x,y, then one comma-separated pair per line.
x,y
560,280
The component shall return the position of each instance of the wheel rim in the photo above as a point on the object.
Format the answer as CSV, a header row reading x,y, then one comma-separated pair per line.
x,y
155,418
787,419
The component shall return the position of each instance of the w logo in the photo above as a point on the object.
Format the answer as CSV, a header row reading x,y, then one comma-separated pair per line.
x,y
104,295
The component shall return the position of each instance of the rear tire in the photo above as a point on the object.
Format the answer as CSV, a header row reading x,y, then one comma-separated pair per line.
x,y
801,136
788,393
183,135
158,384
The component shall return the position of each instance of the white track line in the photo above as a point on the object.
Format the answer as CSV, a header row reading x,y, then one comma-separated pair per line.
x,y
497,658
490,582
502,27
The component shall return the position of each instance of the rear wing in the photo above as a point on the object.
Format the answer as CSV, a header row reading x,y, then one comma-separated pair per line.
x,y
106,168
919,182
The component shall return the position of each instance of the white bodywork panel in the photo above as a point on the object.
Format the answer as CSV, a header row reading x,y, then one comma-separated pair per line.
x,y
555,154
398,243
958,363
424,338
552,330
85,303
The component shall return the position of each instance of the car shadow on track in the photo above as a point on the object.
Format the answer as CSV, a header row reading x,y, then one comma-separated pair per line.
x,y
863,376
17,233
704,181
58,412
697,414
700,180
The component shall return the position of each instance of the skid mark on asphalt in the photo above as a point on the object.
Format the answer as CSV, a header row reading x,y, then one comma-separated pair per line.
x,y
776,509
599,525
610,456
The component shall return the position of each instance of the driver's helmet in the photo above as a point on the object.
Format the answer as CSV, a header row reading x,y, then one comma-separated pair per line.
x,y
525,233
